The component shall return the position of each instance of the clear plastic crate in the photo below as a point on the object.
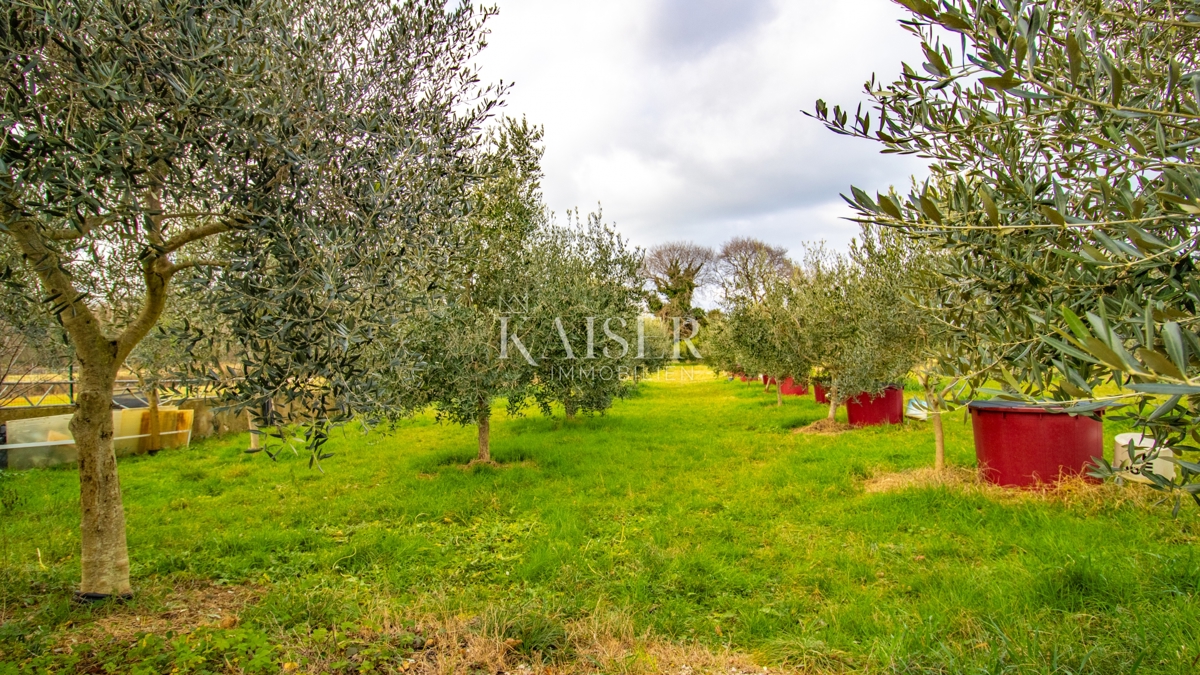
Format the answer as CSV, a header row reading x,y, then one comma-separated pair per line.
x,y
47,441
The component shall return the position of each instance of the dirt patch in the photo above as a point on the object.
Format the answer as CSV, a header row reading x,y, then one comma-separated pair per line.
x,y
180,609
825,427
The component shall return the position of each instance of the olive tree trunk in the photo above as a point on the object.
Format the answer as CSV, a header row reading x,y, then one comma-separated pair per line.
x,y
778,392
833,402
104,555
104,562
939,440
253,429
934,403
485,433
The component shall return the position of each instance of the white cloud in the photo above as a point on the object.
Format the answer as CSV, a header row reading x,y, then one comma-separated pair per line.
x,y
683,117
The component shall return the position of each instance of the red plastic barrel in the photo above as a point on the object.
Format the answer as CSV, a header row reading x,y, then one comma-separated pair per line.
x,y
1019,445
767,381
744,378
819,393
866,410
790,388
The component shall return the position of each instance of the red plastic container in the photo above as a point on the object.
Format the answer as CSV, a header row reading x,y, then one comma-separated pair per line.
x,y
820,394
790,388
1019,445
866,410
766,381
744,378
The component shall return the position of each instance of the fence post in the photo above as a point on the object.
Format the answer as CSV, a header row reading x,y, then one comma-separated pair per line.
x,y
71,383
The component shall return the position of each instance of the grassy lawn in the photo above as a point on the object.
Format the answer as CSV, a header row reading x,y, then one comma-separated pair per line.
x,y
688,527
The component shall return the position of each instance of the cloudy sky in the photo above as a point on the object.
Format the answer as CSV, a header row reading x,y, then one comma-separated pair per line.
x,y
682,118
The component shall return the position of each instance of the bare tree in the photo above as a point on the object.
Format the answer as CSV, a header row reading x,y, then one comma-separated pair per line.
x,y
677,269
747,266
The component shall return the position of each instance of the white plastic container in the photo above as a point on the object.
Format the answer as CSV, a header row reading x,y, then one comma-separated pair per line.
x,y
1128,448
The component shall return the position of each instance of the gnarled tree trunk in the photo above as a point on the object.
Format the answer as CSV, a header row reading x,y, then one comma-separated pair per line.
x,y
104,560
833,402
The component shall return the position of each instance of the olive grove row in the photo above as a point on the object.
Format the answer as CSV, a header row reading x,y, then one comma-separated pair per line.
x,y
311,207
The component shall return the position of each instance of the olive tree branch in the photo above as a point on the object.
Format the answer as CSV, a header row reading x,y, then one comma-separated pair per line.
x,y
89,224
188,264
194,234
69,304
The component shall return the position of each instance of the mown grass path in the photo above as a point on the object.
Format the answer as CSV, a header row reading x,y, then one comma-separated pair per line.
x,y
693,509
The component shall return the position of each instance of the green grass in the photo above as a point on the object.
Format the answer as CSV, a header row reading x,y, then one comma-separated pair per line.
x,y
691,508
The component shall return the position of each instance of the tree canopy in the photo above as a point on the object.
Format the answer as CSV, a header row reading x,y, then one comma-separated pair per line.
x,y
746,268
676,270
308,156
1064,188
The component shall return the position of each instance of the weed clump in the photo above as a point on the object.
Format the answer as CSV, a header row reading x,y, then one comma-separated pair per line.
x,y
531,632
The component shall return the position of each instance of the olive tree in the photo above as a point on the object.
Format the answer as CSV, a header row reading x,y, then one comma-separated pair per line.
x,y
1062,136
749,272
849,314
591,300
720,351
313,147
753,338
476,340
907,271
758,338
891,333
821,311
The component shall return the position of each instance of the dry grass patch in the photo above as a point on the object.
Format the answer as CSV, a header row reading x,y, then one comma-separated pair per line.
x,y
179,609
825,427
921,479
1077,491
602,643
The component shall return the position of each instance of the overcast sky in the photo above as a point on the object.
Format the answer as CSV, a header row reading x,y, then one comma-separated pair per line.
x,y
682,118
